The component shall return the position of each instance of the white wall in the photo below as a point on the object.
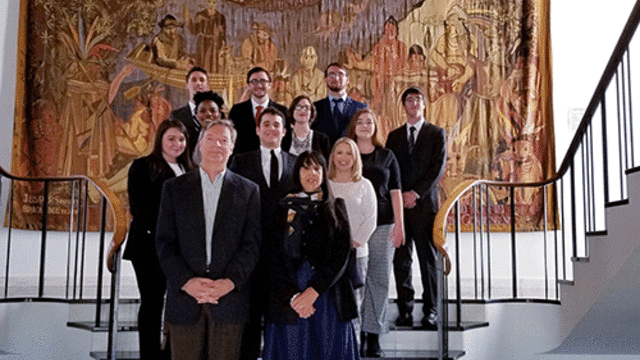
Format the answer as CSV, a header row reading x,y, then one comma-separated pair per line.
x,y
583,35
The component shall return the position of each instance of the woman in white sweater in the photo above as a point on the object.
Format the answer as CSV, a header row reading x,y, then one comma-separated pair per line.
x,y
346,182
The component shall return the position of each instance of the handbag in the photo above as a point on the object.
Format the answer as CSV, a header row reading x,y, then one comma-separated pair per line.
x,y
353,271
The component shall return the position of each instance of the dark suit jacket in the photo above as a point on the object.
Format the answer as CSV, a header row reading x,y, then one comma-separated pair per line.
x,y
186,117
180,242
335,128
249,165
421,170
319,143
242,116
144,202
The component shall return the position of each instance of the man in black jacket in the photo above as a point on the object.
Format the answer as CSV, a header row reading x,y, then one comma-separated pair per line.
x,y
197,81
420,148
245,114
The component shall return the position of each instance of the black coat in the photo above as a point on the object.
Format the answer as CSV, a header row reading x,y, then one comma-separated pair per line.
x,y
327,249
242,116
180,242
144,201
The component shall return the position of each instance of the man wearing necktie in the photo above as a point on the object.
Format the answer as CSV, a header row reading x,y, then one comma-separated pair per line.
x,y
272,169
196,81
335,111
245,114
420,148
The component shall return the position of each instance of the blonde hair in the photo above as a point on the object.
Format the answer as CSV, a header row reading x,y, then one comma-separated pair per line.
x,y
356,169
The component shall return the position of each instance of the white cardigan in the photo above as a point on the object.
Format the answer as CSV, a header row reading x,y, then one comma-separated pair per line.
x,y
362,209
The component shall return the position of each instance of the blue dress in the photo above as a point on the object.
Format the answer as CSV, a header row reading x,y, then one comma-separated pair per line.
x,y
322,336
312,253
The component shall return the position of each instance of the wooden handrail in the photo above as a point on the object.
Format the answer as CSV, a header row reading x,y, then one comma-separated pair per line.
x,y
120,216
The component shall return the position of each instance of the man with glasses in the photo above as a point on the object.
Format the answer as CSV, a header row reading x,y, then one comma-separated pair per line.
x,y
245,114
420,148
335,111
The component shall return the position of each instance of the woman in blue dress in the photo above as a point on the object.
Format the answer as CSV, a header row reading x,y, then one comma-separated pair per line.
x,y
311,303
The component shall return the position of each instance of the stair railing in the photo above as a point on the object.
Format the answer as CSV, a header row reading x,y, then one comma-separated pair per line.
x,y
84,200
571,204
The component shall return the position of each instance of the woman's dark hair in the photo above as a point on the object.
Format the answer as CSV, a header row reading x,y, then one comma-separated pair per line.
x,y
292,108
184,159
310,158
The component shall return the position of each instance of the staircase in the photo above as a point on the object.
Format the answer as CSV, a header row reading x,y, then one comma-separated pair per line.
x,y
601,307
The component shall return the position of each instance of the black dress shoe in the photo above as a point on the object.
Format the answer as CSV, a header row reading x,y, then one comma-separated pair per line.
x,y
430,321
373,346
404,320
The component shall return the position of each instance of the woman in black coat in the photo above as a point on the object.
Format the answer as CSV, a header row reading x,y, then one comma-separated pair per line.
x,y
170,158
311,303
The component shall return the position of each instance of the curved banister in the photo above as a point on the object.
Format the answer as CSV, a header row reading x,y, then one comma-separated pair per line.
x,y
120,217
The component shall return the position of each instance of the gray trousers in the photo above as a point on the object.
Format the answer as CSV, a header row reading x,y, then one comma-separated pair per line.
x,y
376,287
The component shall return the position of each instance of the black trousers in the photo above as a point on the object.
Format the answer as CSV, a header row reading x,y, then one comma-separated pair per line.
x,y
258,298
152,285
419,231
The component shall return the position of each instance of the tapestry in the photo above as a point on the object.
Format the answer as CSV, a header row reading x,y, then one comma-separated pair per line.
x,y
96,77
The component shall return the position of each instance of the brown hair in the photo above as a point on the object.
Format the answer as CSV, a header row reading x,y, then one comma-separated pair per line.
x,y
376,139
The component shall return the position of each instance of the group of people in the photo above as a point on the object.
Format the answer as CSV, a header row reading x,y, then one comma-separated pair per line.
x,y
291,218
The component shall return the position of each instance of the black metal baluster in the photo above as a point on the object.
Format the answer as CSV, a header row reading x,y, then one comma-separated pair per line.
x,y
514,274
43,239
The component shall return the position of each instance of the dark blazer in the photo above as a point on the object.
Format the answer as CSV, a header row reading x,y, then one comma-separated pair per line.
x,y
249,165
335,128
242,116
144,202
319,142
180,242
328,242
421,170
193,128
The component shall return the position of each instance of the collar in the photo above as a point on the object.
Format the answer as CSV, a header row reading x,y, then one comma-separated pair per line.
x,y
417,125
343,97
192,106
255,104
205,176
266,152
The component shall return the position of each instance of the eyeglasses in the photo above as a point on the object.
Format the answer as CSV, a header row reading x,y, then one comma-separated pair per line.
x,y
261,82
337,75
302,108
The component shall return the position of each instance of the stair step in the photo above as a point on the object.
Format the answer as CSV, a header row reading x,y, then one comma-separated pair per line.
x,y
611,204
580,259
418,354
387,354
566,282
104,325
453,326
122,355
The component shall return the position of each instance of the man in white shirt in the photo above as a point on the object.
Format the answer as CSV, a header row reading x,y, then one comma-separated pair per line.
x,y
272,169
208,241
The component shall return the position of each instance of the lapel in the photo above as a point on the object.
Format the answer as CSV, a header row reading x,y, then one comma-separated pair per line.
x,y
421,139
256,163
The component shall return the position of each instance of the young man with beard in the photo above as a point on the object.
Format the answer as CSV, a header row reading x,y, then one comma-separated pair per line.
x,y
335,111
